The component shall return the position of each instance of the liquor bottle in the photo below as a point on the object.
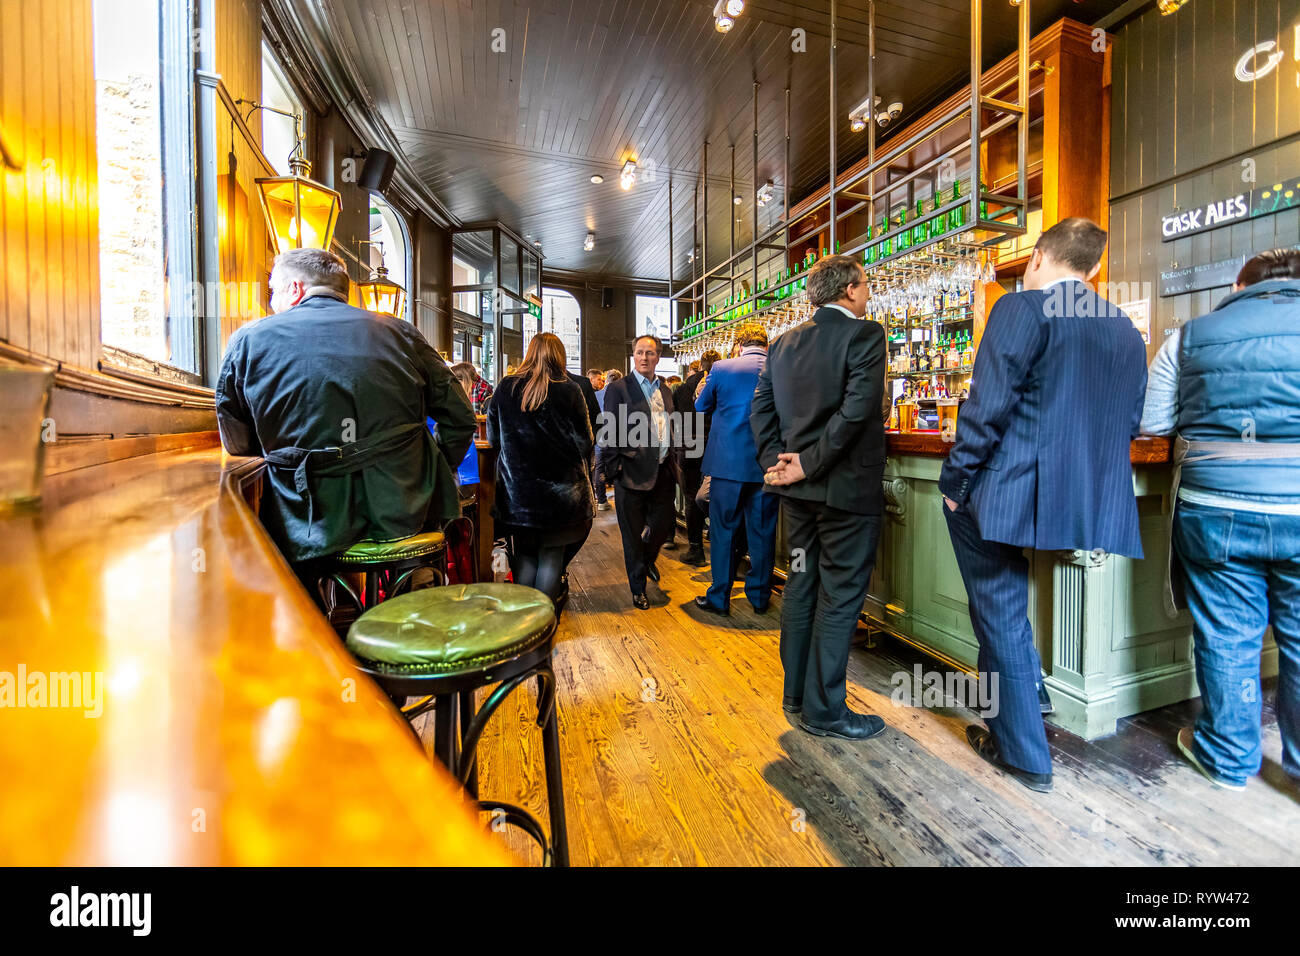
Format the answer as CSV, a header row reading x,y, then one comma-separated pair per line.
x,y
887,247
957,216
919,232
903,240
953,358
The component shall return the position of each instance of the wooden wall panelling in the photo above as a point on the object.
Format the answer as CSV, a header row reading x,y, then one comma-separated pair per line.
x,y
50,244
1182,124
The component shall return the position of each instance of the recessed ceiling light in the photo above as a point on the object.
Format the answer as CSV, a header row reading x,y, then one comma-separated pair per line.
x,y
597,178
590,242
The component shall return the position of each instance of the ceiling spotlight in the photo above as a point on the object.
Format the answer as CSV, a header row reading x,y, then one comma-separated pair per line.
x,y
628,176
725,13
590,242
537,243
1169,6
860,115
736,200
597,178
765,193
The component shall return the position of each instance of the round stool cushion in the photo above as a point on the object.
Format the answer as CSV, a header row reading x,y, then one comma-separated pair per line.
x,y
382,552
453,629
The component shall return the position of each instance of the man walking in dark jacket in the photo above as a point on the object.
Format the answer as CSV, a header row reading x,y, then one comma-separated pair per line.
x,y
821,438
637,436
335,399
692,476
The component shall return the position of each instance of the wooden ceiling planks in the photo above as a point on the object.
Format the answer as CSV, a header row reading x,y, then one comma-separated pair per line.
x,y
582,84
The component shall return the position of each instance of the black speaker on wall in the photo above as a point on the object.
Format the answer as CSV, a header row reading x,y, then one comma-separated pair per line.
x,y
377,170
607,297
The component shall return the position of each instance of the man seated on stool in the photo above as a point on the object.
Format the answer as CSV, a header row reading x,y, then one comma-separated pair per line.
x,y
335,399
737,501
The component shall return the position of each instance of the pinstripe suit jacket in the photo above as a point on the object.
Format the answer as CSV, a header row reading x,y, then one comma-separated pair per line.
x,y
1042,451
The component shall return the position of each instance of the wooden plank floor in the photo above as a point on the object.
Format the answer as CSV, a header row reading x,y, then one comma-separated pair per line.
x,y
677,752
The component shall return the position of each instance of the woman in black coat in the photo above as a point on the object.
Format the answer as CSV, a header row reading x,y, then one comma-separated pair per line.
x,y
538,423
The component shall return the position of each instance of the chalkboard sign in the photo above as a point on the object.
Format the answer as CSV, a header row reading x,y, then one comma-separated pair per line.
x,y
1195,278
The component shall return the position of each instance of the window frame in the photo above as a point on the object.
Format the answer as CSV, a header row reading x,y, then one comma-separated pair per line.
x,y
177,152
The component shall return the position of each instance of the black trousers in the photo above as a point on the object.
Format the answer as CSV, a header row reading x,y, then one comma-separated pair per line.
x,y
832,554
695,515
645,519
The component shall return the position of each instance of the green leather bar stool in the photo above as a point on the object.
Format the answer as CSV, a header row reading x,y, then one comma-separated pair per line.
x,y
443,644
388,567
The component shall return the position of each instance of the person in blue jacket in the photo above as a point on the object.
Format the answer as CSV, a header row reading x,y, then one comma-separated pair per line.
x,y
737,499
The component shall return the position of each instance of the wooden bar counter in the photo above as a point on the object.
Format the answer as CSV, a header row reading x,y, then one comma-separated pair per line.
x,y
219,719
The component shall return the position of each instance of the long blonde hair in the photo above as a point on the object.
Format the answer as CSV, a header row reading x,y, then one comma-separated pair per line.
x,y
544,363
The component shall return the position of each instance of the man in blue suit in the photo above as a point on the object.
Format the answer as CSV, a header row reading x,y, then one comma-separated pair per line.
x,y
1041,461
736,496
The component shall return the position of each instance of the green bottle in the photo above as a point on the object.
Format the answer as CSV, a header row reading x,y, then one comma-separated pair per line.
x,y
904,240
957,216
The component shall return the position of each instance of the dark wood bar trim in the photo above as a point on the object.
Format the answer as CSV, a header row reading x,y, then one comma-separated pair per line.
x,y
1147,450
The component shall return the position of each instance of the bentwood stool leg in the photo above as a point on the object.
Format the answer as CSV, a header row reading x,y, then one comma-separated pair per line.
x,y
444,729
466,718
550,724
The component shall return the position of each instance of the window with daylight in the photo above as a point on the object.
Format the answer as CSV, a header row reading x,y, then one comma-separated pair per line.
x,y
653,317
562,315
279,137
129,143
388,232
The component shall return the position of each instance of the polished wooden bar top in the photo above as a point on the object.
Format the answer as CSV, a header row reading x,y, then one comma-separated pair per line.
x,y
1146,450
229,725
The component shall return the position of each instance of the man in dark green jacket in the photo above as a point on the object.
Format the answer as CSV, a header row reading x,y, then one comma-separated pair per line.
x,y
336,400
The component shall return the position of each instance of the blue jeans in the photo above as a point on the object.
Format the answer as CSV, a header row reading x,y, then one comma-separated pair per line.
x,y
1242,573
736,508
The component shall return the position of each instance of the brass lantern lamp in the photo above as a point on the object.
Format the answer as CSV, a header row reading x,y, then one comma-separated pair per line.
x,y
300,212
379,293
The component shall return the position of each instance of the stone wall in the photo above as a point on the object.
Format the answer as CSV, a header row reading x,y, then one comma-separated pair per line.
x,y
129,141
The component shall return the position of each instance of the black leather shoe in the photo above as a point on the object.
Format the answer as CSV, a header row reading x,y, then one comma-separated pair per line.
x,y
759,610
792,705
981,741
641,601
652,573
670,546
851,726
695,556
703,604
1045,704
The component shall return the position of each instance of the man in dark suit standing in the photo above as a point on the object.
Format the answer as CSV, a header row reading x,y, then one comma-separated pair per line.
x,y
1041,461
637,436
692,477
821,438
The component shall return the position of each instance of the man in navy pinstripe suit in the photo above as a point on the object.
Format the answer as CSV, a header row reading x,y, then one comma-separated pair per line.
x,y
1041,461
